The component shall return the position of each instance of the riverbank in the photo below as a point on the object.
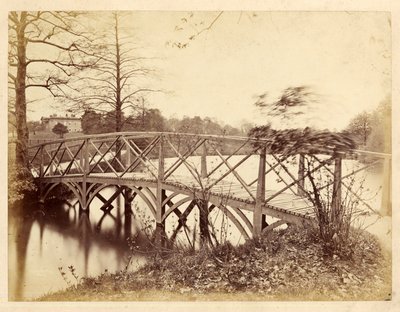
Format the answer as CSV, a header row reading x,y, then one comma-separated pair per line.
x,y
284,265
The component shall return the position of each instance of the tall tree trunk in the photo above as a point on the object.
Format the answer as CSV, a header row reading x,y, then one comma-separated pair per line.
x,y
20,98
118,106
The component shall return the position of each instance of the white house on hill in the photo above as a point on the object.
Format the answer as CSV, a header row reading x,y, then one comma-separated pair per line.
x,y
73,123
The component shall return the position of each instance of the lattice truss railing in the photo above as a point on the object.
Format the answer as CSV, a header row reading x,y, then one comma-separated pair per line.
x,y
228,166
57,159
349,181
230,170
116,156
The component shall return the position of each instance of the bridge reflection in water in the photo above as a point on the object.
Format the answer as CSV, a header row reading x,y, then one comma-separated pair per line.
x,y
174,173
44,238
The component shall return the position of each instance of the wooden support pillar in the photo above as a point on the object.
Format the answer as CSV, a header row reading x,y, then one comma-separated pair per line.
x,y
260,196
51,170
41,168
128,154
300,185
118,217
160,196
128,212
128,200
160,180
204,161
127,223
386,202
82,160
337,188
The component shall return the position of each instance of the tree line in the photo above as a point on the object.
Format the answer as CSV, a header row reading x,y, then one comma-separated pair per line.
x,y
152,120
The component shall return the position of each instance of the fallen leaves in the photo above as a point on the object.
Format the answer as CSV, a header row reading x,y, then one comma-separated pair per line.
x,y
295,268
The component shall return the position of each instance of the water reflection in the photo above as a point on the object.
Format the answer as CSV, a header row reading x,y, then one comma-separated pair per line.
x,y
42,239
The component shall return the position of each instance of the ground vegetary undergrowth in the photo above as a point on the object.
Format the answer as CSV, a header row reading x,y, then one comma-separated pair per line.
x,y
285,265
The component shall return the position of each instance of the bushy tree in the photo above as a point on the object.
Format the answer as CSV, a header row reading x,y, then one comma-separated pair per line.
x,y
380,137
91,122
60,129
34,126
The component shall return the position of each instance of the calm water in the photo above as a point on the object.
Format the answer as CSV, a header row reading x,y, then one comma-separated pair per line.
x,y
58,236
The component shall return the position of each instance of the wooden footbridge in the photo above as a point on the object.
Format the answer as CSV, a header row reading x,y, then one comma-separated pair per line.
x,y
173,173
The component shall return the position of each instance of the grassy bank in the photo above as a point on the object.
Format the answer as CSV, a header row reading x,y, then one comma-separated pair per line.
x,y
285,265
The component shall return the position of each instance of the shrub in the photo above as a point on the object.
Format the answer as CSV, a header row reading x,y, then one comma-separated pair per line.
x,y
20,183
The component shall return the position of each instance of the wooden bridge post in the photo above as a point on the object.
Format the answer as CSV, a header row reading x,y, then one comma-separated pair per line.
x,y
337,187
51,171
82,160
128,200
127,155
260,196
204,161
160,208
300,185
41,168
128,213
386,202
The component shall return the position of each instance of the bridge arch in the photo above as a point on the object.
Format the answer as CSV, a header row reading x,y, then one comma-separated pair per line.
x,y
70,185
223,209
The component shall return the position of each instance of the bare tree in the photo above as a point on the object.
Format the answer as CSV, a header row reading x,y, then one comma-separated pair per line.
x,y
119,77
193,25
45,48
361,127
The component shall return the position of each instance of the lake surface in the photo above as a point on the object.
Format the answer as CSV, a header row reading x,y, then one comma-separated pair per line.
x,y
43,243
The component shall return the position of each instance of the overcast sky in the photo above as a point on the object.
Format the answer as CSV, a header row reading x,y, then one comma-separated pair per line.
x,y
344,57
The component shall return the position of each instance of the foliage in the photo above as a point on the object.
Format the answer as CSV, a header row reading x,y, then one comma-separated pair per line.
x,y
295,141
148,120
360,127
334,210
290,107
334,215
334,218
94,122
60,129
193,26
73,273
91,122
34,126
152,120
372,130
269,268
20,183
380,137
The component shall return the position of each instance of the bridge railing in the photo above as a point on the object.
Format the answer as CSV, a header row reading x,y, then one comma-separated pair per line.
x,y
236,166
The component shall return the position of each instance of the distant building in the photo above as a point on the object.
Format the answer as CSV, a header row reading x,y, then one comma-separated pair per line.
x,y
73,123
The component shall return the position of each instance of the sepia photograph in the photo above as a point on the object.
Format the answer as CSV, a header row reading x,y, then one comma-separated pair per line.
x,y
176,155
